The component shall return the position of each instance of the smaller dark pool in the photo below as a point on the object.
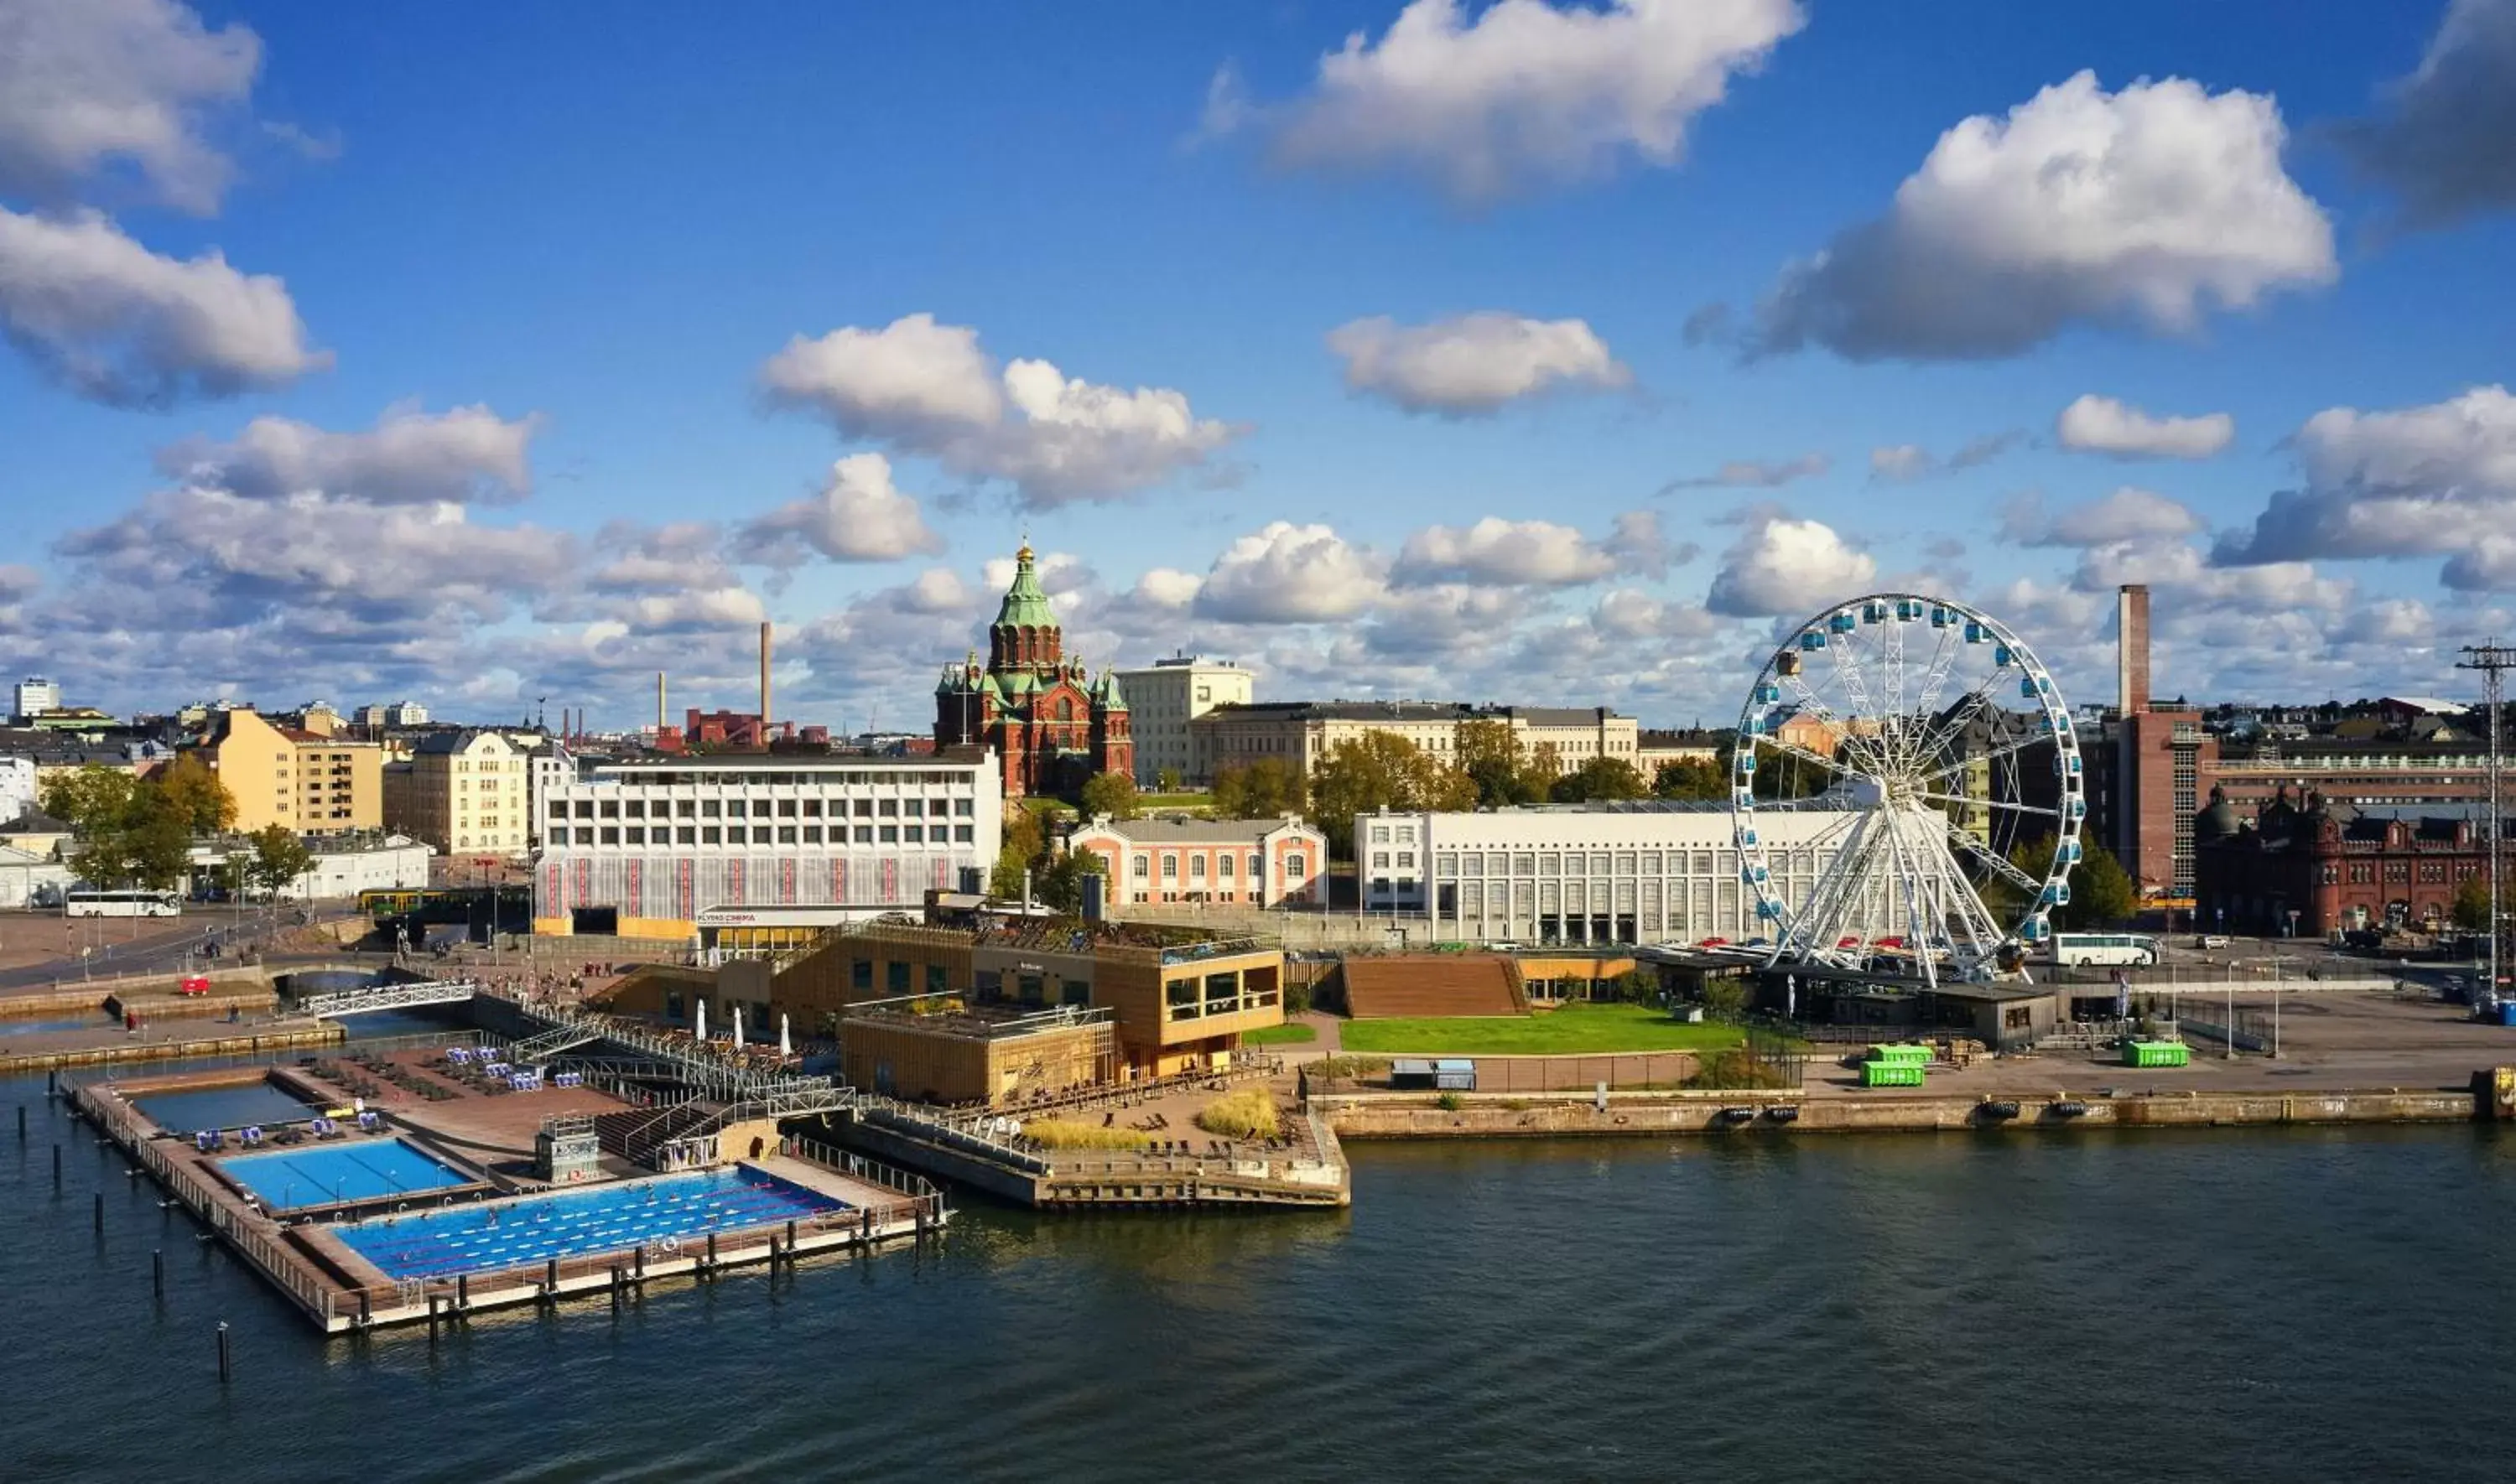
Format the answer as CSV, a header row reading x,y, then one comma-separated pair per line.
x,y
222,1107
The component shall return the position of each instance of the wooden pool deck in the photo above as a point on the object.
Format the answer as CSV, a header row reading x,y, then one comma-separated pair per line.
x,y
340,1293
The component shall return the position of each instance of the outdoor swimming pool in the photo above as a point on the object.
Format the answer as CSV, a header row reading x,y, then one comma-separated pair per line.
x,y
232,1107
684,1207
362,1170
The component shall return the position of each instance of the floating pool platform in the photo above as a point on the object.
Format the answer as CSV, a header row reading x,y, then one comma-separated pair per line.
x,y
428,1235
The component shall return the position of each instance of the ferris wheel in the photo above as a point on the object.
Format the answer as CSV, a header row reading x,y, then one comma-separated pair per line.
x,y
1941,759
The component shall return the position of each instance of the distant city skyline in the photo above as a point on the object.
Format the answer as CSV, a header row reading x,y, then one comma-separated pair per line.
x,y
1545,352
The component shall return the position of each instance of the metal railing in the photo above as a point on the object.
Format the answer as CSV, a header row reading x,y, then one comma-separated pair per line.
x,y
355,1002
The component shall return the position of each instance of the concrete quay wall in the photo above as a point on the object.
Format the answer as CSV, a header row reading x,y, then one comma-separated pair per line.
x,y
287,1036
1486,1116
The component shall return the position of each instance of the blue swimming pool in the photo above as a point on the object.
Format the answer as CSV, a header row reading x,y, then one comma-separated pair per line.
x,y
359,1169
680,1207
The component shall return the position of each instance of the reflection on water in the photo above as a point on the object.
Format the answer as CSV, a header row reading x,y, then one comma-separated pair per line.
x,y
2151,1307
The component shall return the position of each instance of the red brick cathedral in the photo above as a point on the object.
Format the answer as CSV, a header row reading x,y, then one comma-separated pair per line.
x,y
1051,723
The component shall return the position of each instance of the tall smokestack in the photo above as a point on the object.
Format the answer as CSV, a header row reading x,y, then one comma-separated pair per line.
x,y
660,702
764,683
2131,649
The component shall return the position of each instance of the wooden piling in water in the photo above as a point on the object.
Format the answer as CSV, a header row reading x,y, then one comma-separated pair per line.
x,y
157,1271
223,1371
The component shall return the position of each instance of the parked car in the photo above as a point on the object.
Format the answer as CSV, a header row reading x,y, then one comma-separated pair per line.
x,y
2211,940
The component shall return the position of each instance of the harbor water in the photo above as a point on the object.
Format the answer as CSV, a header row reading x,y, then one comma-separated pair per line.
x,y
2092,1305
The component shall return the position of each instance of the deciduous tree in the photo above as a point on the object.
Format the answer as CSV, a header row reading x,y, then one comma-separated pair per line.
x,y
1111,793
1260,790
194,793
1599,778
1381,769
279,860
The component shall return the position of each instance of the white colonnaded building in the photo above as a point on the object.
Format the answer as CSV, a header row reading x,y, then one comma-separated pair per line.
x,y
1643,871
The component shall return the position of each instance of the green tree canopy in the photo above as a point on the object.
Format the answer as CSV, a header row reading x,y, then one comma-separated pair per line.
x,y
1599,778
1491,754
279,860
1111,793
89,798
1025,842
2102,894
134,833
2472,903
194,793
1060,883
1689,778
1260,790
1381,769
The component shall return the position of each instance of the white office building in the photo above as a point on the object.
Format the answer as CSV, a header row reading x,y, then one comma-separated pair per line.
x,y
1164,700
1646,871
34,696
642,848
17,787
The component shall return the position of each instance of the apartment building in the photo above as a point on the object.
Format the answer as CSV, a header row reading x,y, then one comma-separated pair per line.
x,y
1169,695
287,776
467,793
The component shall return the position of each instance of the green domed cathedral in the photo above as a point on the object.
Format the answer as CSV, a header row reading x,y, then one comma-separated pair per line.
x,y
1051,723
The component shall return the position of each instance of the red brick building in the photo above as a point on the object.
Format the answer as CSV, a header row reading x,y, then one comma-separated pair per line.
x,y
2332,869
1051,723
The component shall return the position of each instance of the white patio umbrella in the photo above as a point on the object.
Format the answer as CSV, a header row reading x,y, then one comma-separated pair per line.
x,y
785,1043
737,1026
701,1029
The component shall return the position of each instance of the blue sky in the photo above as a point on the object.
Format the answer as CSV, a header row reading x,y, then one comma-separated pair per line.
x,y
602,227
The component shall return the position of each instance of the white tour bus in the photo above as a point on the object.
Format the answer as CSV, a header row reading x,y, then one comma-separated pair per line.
x,y
82,902
2107,948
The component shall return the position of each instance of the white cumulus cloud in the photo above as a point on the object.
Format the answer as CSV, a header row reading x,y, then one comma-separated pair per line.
x,y
1291,574
1784,566
2148,207
121,325
928,389
1524,553
1526,94
1470,365
2095,423
2126,515
469,454
86,85
2428,480
859,516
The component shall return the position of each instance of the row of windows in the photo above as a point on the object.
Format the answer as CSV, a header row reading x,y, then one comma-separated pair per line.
x,y
1225,865
760,809
903,776
1450,863
760,835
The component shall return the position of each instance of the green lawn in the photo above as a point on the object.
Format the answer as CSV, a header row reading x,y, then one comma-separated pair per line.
x,y
1578,1027
1291,1033
1189,802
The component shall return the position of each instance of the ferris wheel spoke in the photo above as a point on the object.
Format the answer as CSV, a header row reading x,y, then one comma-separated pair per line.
x,y
1994,860
1802,754
2010,805
1812,702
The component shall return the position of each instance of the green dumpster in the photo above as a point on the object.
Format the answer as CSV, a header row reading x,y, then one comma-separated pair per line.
x,y
2156,1054
1891,1074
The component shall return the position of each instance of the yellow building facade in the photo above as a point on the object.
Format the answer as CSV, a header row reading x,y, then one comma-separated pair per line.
x,y
307,784
465,793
